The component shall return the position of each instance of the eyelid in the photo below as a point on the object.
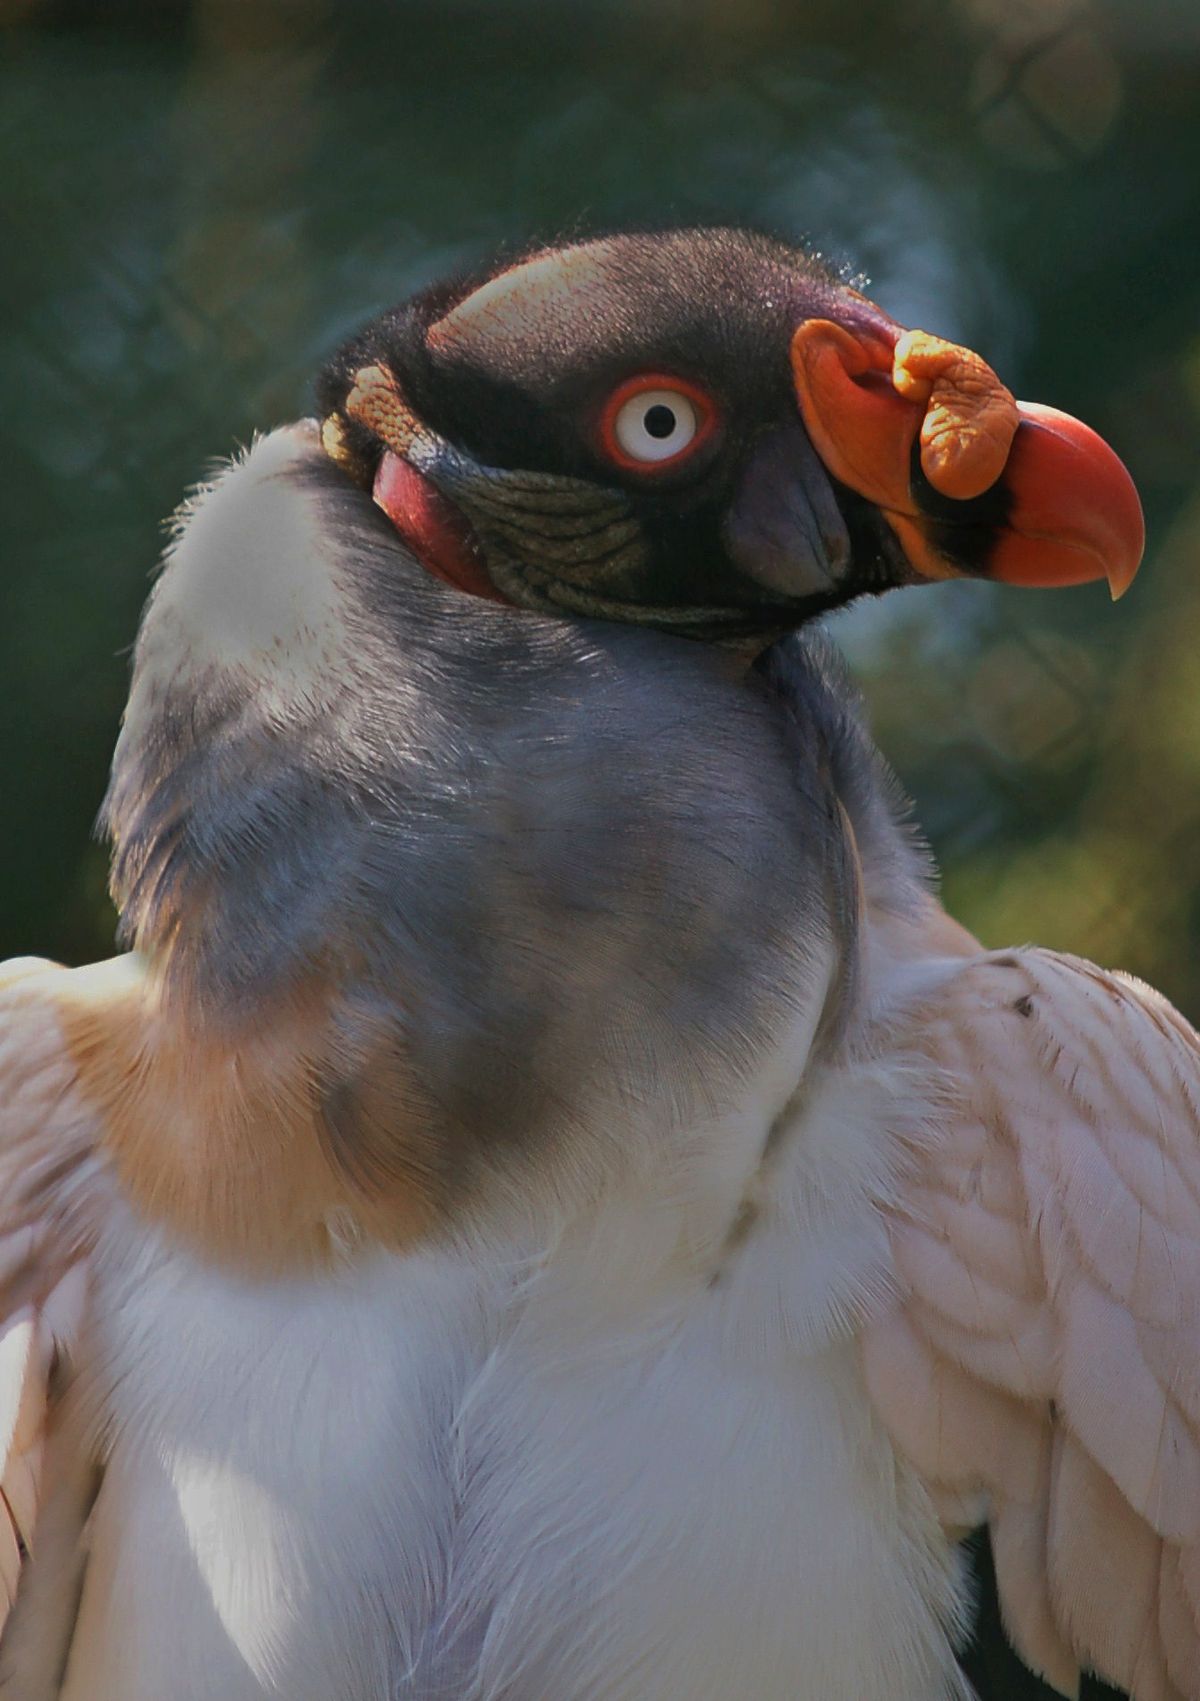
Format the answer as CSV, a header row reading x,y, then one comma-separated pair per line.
x,y
707,420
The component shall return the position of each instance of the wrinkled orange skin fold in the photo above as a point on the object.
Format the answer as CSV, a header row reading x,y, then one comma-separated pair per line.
x,y
970,417
966,417
868,395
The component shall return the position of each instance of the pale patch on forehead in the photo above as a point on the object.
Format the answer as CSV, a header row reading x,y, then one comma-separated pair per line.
x,y
629,300
550,290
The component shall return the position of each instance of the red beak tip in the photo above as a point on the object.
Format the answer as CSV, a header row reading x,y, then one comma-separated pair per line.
x,y
1068,485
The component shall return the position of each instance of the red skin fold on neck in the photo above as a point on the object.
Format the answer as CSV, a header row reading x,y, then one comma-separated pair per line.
x,y
434,529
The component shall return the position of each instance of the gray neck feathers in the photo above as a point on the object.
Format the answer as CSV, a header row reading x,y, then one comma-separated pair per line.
x,y
540,855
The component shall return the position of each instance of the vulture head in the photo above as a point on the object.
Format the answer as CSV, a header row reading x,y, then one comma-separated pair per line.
x,y
706,432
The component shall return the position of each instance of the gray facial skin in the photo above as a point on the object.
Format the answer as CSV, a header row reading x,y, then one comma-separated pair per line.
x,y
559,867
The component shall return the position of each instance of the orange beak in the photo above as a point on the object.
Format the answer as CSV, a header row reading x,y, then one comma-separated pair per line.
x,y
970,480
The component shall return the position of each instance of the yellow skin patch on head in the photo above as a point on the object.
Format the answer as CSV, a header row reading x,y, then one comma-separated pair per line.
x,y
375,401
970,417
333,441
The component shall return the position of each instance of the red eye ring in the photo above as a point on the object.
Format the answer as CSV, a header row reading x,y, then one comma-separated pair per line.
x,y
644,383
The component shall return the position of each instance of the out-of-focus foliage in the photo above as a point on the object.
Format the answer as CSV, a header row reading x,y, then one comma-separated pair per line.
x,y
199,200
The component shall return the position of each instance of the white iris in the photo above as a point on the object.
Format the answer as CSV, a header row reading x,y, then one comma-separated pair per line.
x,y
655,424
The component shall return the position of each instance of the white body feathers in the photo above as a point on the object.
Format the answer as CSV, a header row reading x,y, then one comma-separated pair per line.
x,y
576,1474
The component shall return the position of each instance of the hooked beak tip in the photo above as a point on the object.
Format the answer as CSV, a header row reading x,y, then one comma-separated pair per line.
x,y
1072,500
1069,512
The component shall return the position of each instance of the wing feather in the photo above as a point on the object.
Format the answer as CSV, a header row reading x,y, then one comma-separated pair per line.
x,y
43,1274
1020,1552
1041,1357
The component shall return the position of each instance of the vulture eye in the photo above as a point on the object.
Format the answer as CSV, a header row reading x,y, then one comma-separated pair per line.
x,y
652,422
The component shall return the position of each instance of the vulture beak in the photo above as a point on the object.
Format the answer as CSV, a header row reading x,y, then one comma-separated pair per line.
x,y
968,479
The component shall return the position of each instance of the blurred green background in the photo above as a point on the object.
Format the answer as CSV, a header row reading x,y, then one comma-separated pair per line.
x,y
200,199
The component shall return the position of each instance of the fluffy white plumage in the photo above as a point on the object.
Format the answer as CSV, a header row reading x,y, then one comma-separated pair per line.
x,y
640,1422
602,1449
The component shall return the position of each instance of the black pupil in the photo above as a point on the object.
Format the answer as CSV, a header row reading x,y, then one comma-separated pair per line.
x,y
659,421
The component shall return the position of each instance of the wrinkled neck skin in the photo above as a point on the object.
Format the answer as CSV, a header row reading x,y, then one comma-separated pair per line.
x,y
493,907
